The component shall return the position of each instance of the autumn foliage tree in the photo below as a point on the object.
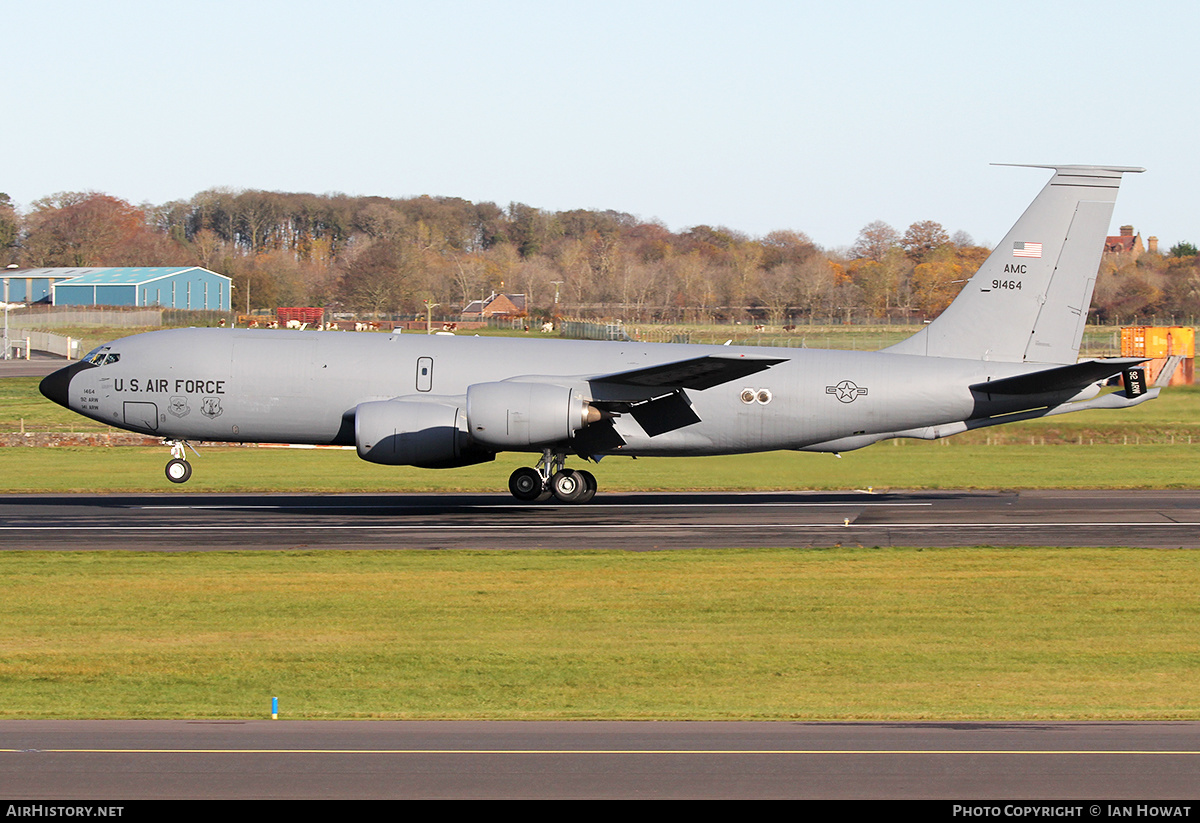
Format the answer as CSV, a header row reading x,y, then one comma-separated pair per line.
x,y
923,238
381,255
87,229
874,241
9,228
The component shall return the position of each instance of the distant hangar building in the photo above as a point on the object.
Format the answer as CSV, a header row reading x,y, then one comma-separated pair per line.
x,y
33,285
174,287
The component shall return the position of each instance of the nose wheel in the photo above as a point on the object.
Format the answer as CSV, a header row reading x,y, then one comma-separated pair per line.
x,y
552,478
178,470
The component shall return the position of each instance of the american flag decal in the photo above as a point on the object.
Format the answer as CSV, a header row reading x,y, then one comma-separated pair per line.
x,y
1027,249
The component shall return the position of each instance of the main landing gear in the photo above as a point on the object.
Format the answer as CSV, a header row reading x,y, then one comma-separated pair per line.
x,y
552,478
178,469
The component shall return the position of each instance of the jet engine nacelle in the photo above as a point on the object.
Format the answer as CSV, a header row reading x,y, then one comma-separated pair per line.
x,y
515,415
409,433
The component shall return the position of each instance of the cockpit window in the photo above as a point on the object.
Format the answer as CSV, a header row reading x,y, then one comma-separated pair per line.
x,y
95,356
101,356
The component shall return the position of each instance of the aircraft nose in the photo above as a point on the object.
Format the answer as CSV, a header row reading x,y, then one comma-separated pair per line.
x,y
56,386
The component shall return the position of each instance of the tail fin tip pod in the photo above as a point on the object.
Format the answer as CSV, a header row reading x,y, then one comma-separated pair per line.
x,y
1029,301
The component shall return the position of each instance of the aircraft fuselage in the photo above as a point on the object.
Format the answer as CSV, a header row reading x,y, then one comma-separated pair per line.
x,y
303,387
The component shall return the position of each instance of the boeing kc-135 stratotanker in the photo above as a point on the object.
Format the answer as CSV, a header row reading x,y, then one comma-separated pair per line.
x,y
1006,349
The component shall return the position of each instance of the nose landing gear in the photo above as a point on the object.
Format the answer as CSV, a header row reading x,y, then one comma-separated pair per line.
x,y
552,478
178,469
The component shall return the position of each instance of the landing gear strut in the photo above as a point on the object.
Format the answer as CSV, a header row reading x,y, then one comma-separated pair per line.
x,y
178,469
551,477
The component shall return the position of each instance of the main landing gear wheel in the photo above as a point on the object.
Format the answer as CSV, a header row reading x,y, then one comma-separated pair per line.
x,y
551,477
567,486
178,471
526,484
589,486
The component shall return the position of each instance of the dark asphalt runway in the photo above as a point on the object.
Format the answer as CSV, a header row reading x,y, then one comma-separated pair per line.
x,y
39,366
634,522
1088,762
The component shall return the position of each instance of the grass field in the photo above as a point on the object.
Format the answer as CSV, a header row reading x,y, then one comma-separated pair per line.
x,y
910,465
1014,634
1097,341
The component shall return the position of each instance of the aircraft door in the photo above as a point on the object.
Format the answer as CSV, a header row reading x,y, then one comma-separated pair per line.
x,y
141,415
424,373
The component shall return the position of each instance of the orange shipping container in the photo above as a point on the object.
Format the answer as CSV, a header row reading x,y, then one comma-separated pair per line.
x,y
1158,341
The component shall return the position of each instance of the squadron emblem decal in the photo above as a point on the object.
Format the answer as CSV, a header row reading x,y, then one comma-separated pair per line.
x,y
211,407
846,391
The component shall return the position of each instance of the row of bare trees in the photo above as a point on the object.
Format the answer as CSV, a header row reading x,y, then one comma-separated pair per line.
x,y
380,255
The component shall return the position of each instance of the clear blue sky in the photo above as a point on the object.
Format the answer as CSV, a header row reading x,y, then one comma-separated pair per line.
x,y
752,115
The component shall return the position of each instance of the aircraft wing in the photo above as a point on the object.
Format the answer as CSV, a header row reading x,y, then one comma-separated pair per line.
x,y
1060,378
655,397
697,373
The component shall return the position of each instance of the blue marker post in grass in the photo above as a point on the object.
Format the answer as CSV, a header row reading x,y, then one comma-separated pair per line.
x,y
274,708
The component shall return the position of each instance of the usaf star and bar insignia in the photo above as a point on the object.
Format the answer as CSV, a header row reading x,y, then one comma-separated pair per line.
x,y
847,391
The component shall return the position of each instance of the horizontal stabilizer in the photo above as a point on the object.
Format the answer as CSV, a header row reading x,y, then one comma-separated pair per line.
x,y
697,373
1062,378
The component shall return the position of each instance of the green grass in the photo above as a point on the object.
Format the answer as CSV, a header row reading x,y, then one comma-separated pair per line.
x,y
22,408
1098,341
908,465
782,634
1172,417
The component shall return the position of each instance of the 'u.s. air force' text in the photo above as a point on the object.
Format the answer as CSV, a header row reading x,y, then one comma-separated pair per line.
x,y
163,384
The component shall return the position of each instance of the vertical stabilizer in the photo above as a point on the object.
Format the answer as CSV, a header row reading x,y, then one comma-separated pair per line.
x,y
1028,302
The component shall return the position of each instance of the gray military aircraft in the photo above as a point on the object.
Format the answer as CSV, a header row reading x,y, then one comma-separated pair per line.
x,y
1005,350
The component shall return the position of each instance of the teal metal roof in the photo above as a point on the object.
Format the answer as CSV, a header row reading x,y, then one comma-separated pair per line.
x,y
57,273
130,275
